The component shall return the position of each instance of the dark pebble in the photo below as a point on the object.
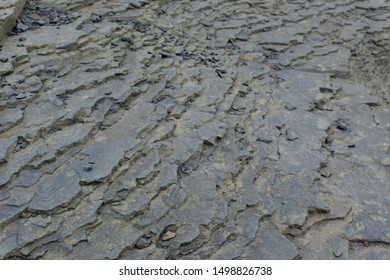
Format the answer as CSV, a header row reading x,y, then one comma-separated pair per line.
x,y
87,168
341,124
127,39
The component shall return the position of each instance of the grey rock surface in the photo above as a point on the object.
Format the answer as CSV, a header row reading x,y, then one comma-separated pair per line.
x,y
195,130
9,11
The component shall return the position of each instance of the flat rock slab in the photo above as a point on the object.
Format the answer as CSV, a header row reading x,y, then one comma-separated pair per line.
x,y
55,190
136,129
9,11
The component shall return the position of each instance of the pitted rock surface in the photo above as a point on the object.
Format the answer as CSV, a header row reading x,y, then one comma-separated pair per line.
x,y
196,130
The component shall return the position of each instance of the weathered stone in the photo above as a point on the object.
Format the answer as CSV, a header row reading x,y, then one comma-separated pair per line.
x,y
5,148
9,212
270,244
105,152
8,245
291,135
55,190
6,68
338,246
9,11
107,241
135,203
9,118
261,132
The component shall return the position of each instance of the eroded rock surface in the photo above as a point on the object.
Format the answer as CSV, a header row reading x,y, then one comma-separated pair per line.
x,y
196,130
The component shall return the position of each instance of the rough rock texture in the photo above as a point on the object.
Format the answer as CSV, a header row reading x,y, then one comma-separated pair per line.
x,y
133,129
9,11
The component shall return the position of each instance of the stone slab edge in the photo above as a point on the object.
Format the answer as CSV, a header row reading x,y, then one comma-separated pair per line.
x,y
7,23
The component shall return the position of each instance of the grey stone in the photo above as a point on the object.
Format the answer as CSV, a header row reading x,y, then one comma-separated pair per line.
x,y
27,177
106,152
85,214
9,212
21,196
135,203
8,245
291,135
290,106
335,63
144,242
55,190
339,246
107,241
270,244
10,10
9,118
34,228
6,68
261,132
5,148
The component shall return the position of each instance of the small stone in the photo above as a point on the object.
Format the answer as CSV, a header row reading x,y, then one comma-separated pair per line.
x,y
264,139
6,68
33,81
291,135
55,190
240,129
144,242
338,246
21,95
87,168
96,18
127,39
341,124
22,27
42,22
385,161
290,106
242,37
168,235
